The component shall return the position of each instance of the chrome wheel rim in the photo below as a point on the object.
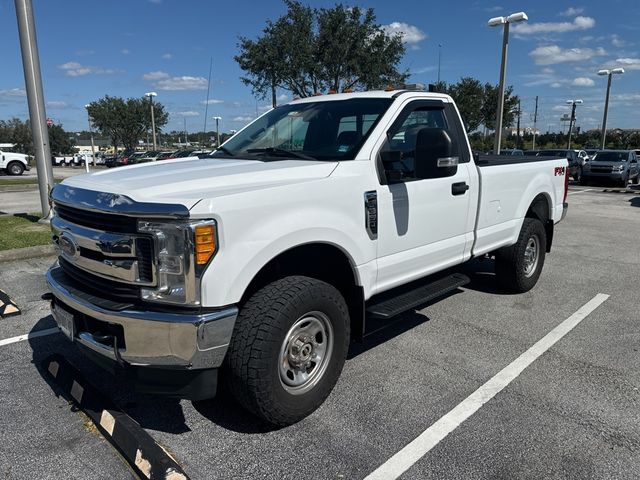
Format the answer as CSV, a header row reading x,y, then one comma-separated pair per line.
x,y
531,254
305,353
15,169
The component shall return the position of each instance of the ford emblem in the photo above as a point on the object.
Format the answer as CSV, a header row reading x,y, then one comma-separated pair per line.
x,y
68,245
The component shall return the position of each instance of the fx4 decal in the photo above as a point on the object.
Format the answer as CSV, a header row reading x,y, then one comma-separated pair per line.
x,y
558,171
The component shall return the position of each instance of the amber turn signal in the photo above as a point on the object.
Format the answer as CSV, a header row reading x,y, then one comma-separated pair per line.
x,y
205,243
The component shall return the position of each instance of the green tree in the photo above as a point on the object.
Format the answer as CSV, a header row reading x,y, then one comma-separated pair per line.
x,y
490,105
59,141
468,94
313,50
125,121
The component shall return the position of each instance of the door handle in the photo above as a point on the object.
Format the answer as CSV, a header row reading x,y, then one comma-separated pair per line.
x,y
459,188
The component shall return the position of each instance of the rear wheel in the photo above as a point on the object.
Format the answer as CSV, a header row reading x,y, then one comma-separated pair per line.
x,y
519,266
288,348
15,168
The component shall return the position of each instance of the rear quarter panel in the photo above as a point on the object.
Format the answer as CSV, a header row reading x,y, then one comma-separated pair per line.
x,y
506,193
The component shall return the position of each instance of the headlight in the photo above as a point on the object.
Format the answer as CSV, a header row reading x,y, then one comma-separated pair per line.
x,y
618,168
182,252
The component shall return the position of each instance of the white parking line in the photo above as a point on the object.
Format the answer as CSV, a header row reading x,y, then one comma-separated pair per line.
x,y
414,451
580,191
20,338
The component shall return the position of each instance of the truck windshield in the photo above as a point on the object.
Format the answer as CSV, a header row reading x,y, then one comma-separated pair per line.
x,y
611,157
323,130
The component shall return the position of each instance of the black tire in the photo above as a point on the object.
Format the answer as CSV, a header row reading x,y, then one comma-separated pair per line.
x,y
624,182
636,180
511,267
584,181
15,168
253,362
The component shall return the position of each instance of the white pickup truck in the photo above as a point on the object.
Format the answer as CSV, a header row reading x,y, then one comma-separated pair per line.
x,y
14,163
263,262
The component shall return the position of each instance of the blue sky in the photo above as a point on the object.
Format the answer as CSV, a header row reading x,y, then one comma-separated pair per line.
x,y
128,47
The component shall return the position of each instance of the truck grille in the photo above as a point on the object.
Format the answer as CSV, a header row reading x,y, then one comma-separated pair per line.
x,y
602,169
101,287
104,251
98,221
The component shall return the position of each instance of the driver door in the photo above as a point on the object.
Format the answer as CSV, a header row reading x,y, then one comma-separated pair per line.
x,y
424,224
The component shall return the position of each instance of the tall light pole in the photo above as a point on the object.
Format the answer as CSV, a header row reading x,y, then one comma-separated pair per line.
x,y
494,22
35,100
217,119
608,73
439,58
93,146
153,120
572,119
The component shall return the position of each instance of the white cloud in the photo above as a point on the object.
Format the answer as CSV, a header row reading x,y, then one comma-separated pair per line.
x,y
493,9
57,104
420,70
163,81
583,82
572,12
282,98
553,54
616,41
548,70
246,118
13,92
167,56
189,113
555,85
410,34
125,51
75,69
579,23
560,108
211,101
184,82
156,75
627,63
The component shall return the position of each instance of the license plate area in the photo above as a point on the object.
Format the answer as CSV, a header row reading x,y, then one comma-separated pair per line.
x,y
65,320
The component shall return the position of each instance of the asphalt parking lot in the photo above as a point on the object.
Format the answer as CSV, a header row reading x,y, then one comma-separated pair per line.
x,y
574,412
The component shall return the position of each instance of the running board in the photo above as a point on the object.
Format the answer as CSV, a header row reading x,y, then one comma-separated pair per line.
x,y
391,307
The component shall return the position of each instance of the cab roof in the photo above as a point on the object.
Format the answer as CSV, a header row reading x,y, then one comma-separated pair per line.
x,y
374,94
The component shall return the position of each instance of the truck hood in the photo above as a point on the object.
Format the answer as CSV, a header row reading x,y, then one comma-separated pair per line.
x,y
188,181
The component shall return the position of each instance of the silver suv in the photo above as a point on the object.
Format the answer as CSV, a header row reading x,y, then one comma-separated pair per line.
x,y
618,166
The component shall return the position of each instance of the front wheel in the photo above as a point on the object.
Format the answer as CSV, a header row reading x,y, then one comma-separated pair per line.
x,y
519,266
288,348
15,168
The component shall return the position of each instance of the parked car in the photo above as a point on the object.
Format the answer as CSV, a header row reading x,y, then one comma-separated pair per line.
x,y
151,155
576,159
61,160
590,153
618,166
166,155
138,157
14,163
119,160
266,269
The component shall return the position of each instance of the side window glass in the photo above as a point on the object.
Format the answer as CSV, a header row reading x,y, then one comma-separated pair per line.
x,y
402,136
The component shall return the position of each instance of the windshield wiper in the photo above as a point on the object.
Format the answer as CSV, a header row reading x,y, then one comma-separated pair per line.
x,y
224,150
280,152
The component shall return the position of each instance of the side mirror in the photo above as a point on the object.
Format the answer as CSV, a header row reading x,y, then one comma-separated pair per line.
x,y
434,154
389,158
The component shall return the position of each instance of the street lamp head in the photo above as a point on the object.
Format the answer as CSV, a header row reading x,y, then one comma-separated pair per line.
x,y
217,118
604,72
617,71
517,17
578,102
496,21
151,94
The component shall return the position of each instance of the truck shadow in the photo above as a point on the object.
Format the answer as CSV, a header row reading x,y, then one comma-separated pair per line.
x,y
156,413
635,201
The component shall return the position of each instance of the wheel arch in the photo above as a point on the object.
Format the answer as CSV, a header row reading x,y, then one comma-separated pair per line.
x,y
323,261
540,208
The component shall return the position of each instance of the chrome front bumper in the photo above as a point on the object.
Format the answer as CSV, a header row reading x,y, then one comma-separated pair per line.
x,y
151,338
